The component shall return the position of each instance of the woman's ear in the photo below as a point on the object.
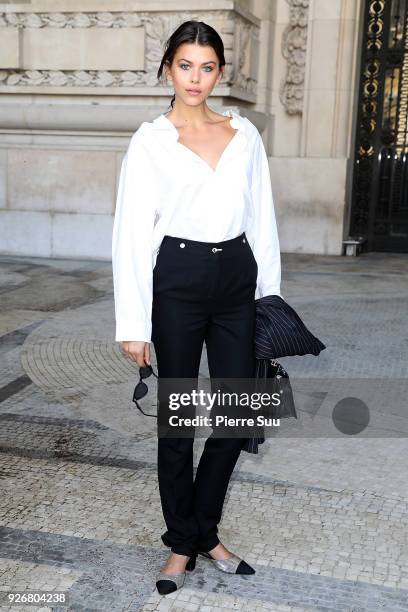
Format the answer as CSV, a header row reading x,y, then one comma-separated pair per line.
x,y
167,73
221,74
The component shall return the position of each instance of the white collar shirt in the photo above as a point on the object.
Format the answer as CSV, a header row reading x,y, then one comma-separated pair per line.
x,y
166,188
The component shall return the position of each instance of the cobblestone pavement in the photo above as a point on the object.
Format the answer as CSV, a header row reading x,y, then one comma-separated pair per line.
x,y
321,515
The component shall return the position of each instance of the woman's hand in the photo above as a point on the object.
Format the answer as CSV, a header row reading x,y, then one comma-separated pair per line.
x,y
138,351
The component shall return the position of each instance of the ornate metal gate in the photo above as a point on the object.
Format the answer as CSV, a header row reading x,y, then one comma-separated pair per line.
x,y
379,210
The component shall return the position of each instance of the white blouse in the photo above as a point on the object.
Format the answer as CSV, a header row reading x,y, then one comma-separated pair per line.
x,y
166,188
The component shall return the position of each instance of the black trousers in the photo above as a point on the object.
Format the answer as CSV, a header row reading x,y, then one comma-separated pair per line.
x,y
201,292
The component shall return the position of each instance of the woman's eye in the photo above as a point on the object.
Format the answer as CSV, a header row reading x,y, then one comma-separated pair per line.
x,y
206,68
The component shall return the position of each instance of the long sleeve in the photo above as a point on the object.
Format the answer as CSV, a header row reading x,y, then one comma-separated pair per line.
x,y
262,232
132,244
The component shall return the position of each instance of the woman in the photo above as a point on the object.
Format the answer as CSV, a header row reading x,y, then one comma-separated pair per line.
x,y
194,244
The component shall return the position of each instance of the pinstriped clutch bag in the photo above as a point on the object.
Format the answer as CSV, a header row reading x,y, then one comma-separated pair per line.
x,y
271,377
280,332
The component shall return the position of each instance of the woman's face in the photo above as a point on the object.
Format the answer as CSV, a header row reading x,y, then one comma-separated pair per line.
x,y
194,73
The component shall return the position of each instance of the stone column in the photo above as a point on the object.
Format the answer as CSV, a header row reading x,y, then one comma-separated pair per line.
x,y
314,89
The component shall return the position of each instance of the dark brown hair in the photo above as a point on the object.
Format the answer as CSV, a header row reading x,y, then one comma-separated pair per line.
x,y
196,32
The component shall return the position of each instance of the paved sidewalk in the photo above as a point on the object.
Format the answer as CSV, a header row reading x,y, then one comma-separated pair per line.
x,y
322,515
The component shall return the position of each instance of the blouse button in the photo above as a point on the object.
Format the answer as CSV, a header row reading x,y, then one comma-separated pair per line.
x,y
182,245
243,240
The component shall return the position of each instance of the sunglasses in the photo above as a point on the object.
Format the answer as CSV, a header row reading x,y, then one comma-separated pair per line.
x,y
141,388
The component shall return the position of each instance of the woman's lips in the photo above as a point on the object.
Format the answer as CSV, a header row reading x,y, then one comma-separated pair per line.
x,y
193,92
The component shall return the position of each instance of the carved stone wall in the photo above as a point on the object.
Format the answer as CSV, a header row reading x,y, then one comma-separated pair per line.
x,y
294,42
80,51
77,77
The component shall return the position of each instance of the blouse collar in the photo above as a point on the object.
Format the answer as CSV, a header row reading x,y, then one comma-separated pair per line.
x,y
168,132
162,122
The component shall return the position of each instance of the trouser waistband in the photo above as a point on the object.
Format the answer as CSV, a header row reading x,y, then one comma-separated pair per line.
x,y
200,245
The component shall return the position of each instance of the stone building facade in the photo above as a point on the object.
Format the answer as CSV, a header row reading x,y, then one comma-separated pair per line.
x,y
77,77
